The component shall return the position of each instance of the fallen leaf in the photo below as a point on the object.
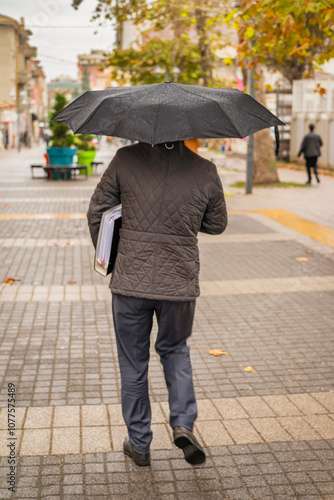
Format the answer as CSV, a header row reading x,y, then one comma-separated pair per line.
x,y
302,259
310,252
248,369
217,352
10,281
6,206
61,244
72,281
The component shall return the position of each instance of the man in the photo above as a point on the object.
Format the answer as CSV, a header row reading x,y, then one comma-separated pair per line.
x,y
311,148
168,194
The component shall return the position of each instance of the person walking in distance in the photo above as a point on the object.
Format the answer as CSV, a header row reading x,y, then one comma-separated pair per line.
x,y
310,147
168,194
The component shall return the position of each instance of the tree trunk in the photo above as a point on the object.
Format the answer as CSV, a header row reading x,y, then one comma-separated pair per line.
x,y
264,157
204,46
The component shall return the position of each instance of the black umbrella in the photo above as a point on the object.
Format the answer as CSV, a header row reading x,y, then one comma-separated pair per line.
x,y
166,112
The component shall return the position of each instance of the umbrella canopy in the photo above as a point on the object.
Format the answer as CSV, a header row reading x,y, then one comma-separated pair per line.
x,y
166,112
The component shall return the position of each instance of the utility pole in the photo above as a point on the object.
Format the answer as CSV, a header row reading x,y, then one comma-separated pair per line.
x,y
250,142
17,90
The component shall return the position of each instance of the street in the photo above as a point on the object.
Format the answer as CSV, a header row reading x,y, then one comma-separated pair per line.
x,y
266,407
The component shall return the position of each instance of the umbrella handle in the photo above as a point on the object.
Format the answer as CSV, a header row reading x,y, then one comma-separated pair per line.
x,y
277,141
171,147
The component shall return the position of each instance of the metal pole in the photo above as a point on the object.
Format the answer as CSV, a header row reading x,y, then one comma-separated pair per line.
x,y
17,90
18,123
250,142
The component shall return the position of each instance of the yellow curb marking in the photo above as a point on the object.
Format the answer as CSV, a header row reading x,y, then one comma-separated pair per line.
x,y
312,229
41,216
316,231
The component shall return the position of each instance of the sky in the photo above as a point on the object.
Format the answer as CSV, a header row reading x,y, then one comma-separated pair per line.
x,y
60,33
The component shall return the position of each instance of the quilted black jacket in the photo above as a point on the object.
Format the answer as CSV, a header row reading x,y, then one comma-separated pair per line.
x,y
167,196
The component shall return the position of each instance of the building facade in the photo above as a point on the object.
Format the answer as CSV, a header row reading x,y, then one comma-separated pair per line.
x,y
91,72
309,106
17,84
66,85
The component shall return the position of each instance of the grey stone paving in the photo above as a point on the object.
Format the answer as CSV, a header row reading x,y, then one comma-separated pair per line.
x,y
64,354
277,471
54,345
223,261
54,228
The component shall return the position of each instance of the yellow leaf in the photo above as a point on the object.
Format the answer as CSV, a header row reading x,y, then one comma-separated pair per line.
x,y
10,280
228,60
217,352
269,87
248,369
250,32
256,76
302,259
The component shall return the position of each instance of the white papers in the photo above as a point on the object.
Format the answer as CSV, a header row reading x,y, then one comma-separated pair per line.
x,y
105,238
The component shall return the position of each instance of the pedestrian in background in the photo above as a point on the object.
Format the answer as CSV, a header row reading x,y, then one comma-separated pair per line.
x,y
168,194
310,147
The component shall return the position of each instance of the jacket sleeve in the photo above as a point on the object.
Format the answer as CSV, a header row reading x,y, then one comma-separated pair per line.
x,y
215,217
302,147
105,196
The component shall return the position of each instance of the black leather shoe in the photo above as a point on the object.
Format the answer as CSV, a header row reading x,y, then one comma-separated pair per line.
x,y
193,451
138,458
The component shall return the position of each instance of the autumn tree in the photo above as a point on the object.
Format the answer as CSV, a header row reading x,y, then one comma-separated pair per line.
x,y
294,37
195,28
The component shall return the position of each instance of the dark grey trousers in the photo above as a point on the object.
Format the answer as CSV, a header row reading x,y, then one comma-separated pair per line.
x,y
133,324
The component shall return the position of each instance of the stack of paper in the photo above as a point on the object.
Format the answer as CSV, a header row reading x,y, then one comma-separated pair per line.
x,y
107,242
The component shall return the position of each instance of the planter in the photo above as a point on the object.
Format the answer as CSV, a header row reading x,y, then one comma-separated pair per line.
x,y
60,156
86,158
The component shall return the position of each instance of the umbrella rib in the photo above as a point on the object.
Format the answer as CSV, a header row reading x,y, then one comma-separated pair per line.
x,y
211,99
156,118
94,111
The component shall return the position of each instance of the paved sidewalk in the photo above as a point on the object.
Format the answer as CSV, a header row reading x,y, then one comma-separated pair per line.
x,y
266,408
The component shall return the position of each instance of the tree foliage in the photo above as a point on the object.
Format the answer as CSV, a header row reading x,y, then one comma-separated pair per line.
x,y
166,54
61,136
292,36
196,32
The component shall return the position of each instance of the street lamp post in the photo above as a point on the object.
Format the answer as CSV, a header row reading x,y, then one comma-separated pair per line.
x,y
175,72
250,143
18,123
21,94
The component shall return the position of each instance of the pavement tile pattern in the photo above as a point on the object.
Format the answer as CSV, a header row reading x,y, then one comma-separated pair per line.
x,y
267,299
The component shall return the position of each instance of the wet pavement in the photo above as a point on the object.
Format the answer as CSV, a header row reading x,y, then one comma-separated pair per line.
x,y
267,300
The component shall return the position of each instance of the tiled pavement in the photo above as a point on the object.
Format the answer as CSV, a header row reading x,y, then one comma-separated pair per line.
x,y
267,299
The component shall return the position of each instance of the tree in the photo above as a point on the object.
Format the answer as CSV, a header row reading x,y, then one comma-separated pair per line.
x,y
61,136
139,66
265,171
294,37
196,32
